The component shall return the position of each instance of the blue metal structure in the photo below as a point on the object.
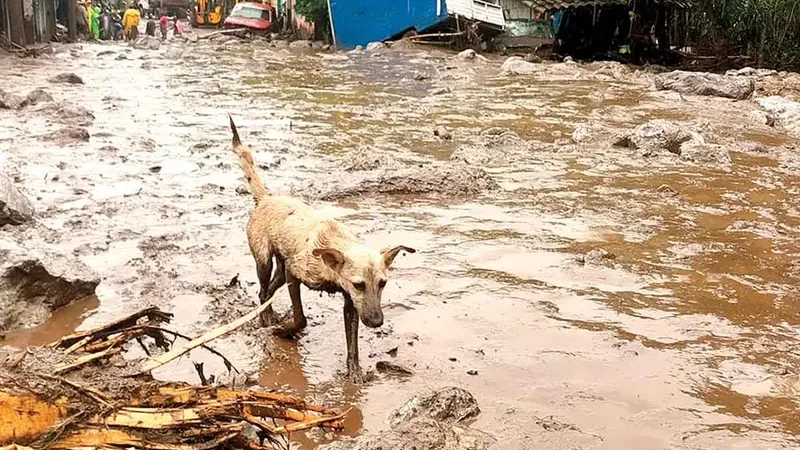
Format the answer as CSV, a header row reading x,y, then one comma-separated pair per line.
x,y
359,22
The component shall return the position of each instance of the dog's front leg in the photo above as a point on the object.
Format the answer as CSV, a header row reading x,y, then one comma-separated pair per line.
x,y
299,322
351,335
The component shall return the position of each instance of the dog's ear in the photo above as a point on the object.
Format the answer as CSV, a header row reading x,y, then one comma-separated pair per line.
x,y
332,258
390,254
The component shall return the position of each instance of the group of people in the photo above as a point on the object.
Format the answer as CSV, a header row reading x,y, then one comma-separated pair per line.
x,y
132,17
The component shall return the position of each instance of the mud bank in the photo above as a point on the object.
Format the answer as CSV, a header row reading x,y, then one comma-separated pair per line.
x,y
683,340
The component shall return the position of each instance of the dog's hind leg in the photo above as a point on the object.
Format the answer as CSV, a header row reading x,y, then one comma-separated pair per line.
x,y
264,272
351,335
290,329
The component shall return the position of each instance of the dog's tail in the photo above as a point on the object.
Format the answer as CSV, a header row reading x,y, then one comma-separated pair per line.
x,y
248,166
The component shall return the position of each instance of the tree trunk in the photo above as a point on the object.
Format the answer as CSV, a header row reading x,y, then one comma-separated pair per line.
x,y
72,20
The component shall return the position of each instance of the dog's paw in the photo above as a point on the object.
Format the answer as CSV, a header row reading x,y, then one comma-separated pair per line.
x,y
286,331
267,319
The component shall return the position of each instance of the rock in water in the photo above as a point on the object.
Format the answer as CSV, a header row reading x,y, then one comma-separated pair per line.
x,y
419,426
703,83
705,153
515,65
374,46
34,282
449,405
658,136
66,78
15,208
10,101
37,95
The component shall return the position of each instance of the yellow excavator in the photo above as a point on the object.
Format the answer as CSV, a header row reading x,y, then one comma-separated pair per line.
x,y
210,13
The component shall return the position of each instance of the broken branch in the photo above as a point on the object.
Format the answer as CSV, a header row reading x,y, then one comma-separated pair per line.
x,y
160,360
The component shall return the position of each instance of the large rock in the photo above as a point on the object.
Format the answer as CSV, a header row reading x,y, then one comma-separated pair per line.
x,y
705,153
68,114
66,78
471,55
426,422
449,178
147,43
15,208
375,46
515,65
10,101
703,83
68,135
37,96
658,136
449,405
34,282
786,113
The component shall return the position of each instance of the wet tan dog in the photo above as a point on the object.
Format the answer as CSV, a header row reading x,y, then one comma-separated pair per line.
x,y
316,251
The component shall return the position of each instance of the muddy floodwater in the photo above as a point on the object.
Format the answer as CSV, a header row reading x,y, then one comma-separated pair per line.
x,y
599,299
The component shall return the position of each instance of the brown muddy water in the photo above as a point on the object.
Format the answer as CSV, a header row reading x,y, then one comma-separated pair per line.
x,y
686,339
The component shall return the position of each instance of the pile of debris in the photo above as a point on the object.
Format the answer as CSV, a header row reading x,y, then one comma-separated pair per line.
x,y
80,392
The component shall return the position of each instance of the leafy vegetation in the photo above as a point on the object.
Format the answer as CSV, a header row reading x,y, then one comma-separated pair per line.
x,y
313,10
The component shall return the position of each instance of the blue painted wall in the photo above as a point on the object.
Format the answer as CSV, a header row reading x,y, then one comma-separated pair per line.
x,y
359,22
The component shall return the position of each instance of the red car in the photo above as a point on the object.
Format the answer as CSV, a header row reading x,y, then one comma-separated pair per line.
x,y
255,16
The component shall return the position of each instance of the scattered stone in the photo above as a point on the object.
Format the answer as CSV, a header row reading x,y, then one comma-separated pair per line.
x,y
147,65
441,90
472,372
492,147
147,43
121,57
667,190
392,352
568,59
471,55
300,44
356,51
591,132
452,359
105,52
368,158
66,78
375,46
36,281
703,83
761,118
15,208
392,368
318,45
192,38
10,101
751,72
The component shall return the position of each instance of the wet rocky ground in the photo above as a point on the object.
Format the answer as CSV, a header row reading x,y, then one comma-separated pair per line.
x,y
607,256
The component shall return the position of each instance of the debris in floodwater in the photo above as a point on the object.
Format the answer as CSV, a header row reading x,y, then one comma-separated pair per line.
x,y
472,372
50,397
392,368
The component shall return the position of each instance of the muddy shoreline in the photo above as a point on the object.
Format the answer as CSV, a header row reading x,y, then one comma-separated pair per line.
x,y
678,334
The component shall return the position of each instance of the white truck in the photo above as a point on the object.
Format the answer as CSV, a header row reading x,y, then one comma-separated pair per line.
x,y
488,12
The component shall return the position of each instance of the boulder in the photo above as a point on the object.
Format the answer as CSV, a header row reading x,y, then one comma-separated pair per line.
x,y
375,46
515,65
15,208
492,147
68,135
10,101
470,55
452,179
450,405
751,72
590,132
658,136
300,44
66,78
35,281
703,83
147,43
785,113
68,114
37,96
417,425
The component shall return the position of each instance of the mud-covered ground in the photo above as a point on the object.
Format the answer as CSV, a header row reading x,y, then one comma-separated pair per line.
x,y
593,298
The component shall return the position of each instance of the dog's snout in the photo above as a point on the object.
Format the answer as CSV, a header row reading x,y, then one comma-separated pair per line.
x,y
372,319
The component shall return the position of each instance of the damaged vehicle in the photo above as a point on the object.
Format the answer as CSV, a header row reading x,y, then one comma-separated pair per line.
x,y
253,16
527,36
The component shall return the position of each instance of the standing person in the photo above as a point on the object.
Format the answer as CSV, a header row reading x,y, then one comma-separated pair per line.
x,y
178,30
162,23
80,19
130,23
151,28
95,21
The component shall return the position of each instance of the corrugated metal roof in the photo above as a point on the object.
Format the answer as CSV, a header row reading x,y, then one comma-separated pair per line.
x,y
545,5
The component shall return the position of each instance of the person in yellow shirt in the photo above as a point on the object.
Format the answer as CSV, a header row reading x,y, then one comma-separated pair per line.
x,y
130,22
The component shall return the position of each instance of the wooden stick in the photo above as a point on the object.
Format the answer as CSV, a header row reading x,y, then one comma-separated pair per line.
x,y
160,360
298,426
62,368
152,313
227,362
78,345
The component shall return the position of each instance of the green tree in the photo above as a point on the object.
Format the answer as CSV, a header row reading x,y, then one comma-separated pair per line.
x,y
313,10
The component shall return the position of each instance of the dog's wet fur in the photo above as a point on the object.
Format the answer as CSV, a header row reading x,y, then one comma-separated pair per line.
x,y
305,247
